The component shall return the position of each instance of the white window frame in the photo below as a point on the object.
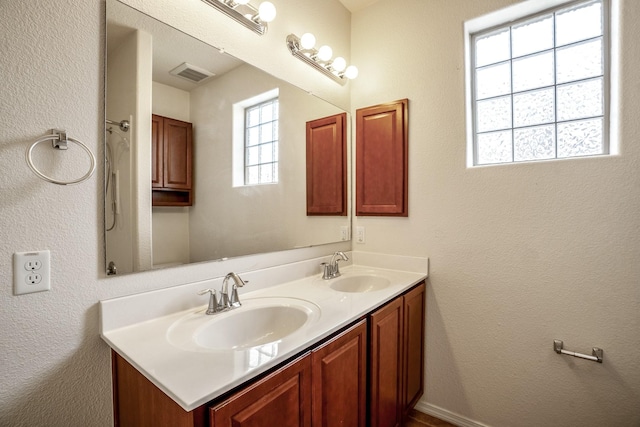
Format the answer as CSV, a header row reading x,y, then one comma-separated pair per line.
x,y
239,135
527,10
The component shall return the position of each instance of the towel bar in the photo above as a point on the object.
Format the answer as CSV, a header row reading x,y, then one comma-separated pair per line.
x,y
597,353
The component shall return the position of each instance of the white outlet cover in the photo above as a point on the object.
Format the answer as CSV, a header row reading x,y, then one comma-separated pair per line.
x,y
31,272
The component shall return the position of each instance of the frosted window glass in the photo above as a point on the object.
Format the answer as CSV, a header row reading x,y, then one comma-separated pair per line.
x,y
493,48
266,153
580,138
533,72
580,100
253,136
494,147
252,175
253,118
494,114
267,113
579,61
266,132
536,143
580,23
534,108
493,81
253,156
532,36
266,172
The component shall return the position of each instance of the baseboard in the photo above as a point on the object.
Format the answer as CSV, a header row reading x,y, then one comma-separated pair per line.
x,y
446,415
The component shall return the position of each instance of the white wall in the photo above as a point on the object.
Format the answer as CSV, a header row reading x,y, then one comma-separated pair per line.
x,y
520,254
54,368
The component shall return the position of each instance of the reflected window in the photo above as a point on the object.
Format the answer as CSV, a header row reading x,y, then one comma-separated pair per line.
x,y
261,143
539,86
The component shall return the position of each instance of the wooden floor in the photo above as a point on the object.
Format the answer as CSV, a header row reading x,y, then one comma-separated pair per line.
x,y
418,419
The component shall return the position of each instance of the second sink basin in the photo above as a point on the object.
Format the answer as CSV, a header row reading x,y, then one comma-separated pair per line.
x,y
258,322
360,283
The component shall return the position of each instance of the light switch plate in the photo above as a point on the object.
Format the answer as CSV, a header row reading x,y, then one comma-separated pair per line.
x,y
31,272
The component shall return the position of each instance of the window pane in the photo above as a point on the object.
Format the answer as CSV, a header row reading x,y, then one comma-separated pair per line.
x,y
533,72
532,36
580,138
534,108
493,81
266,132
266,172
494,147
579,61
494,114
253,156
534,143
252,174
579,23
253,117
267,112
493,48
253,136
580,100
266,153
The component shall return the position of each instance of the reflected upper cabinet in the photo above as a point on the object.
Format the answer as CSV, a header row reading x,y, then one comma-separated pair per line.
x,y
382,159
172,158
327,166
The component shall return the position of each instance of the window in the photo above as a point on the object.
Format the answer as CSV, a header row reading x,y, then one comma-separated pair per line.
x,y
539,86
261,143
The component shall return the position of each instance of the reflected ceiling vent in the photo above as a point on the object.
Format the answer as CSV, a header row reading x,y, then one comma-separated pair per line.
x,y
191,72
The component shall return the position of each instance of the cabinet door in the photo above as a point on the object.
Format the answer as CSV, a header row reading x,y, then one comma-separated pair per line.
x,y
282,399
327,166
382,159
386,365
157,132
339,372
414,328
177,154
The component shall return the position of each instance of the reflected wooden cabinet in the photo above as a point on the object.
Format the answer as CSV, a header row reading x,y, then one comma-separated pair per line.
x,y
397,358
172,159
327,166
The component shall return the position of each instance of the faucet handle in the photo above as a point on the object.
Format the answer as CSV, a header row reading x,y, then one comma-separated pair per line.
x,y
234,299
213,301
326,270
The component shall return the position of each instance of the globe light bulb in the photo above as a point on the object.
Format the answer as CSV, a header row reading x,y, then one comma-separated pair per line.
x,y
339,64
325,53
266,11
351,72
307,41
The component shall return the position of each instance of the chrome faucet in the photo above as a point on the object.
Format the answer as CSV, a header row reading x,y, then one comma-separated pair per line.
x,y
331,270
225,302
231,301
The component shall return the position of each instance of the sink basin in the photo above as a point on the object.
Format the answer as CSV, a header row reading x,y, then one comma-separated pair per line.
x,y
359,283
258,322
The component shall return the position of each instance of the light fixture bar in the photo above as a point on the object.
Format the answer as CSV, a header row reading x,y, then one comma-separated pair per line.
x,y
293,43
230,9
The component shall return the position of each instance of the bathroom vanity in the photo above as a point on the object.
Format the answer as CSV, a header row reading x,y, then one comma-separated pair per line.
x,y
354,357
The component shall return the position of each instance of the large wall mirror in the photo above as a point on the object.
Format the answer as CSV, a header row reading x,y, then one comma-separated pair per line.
x,y
227,218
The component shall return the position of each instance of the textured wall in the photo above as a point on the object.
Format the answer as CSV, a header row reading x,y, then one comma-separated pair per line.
x,y
54,368
520,254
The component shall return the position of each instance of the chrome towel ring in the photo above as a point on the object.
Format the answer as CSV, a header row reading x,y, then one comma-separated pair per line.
x,y
59,141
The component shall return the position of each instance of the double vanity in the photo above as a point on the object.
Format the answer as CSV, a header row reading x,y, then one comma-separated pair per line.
x,y
306,351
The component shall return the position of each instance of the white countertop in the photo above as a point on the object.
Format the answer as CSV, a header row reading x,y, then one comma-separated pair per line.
x,y
193,376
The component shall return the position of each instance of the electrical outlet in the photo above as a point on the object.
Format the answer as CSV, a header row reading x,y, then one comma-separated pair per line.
x,y
31,272
360,234
344,232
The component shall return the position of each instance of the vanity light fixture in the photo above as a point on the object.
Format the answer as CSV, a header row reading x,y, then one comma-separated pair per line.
x,y
304,49
243,12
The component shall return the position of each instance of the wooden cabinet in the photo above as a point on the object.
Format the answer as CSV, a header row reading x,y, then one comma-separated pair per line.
x,y
382,159
282,399
339,375
326,386
172,159
397,358
327,166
